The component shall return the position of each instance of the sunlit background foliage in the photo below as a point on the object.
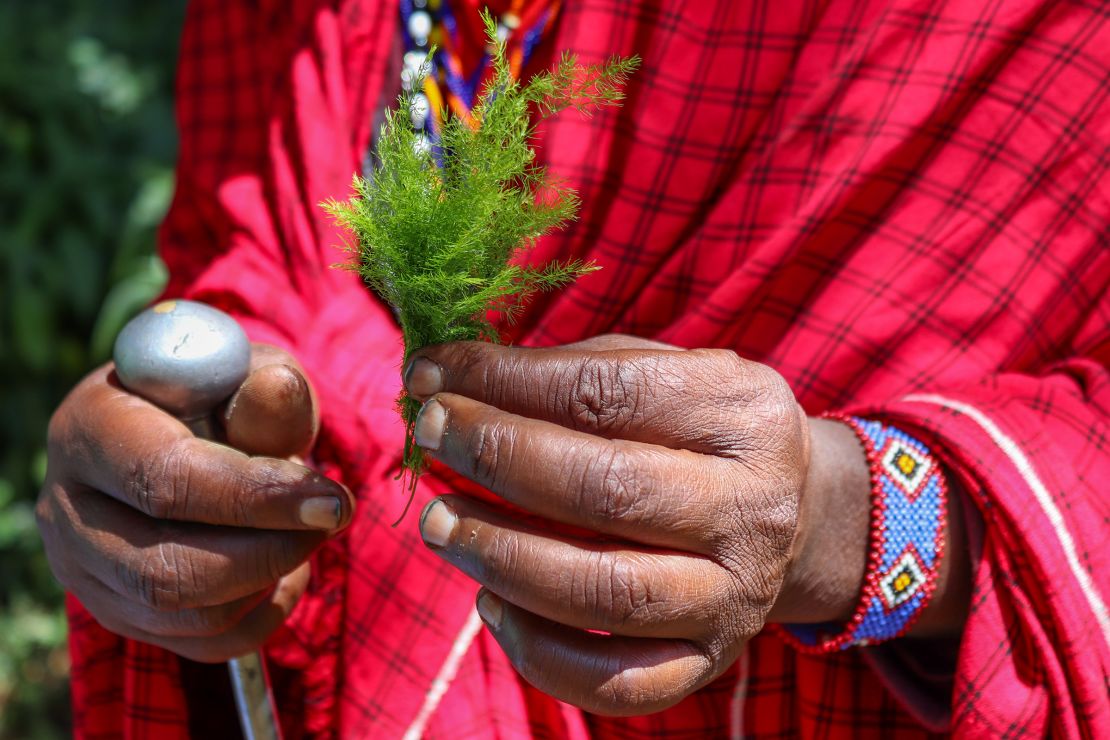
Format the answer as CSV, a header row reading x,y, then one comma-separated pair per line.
x,y
86,154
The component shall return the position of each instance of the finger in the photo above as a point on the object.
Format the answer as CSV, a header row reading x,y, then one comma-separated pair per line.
x,y
208,621
603,674
252,631
684,399
273,413
263,354
170,566
641,492
245,636
597,586
130,449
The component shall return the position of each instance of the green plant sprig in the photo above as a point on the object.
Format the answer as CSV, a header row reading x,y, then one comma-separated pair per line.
x,y
436,241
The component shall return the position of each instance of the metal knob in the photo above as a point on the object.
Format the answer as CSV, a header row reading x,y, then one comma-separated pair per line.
x,y
187,358
184,356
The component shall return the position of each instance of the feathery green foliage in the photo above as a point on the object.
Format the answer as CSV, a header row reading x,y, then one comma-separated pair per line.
x,y
436,241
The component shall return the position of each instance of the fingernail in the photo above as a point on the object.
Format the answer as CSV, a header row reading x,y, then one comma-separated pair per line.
x,y
321,513
490,609
423,377
437,523
428,429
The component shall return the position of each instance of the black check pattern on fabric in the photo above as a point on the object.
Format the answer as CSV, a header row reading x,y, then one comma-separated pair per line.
x,y
899,205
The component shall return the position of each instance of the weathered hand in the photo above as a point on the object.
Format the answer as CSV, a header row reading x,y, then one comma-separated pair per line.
x,y
178,541
691,466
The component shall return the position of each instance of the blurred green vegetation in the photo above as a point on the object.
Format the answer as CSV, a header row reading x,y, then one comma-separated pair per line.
x,y
86,153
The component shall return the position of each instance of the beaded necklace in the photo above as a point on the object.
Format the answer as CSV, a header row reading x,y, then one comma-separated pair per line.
x,y
449,85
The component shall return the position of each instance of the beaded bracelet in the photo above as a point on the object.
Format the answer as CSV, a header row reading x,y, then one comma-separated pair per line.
x,y
905,545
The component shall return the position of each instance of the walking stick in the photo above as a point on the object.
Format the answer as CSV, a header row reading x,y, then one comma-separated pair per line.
x,y
187,358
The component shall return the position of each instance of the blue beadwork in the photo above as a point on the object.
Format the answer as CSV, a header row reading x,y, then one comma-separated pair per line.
x,y
908,516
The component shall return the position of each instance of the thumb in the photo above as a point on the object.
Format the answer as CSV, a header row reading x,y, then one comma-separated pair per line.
x,y
273,413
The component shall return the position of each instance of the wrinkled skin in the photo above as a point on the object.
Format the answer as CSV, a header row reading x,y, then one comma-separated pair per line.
x,y
690,464
178,541
682,500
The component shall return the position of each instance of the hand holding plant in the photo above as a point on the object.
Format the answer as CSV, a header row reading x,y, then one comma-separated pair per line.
x,y
436,231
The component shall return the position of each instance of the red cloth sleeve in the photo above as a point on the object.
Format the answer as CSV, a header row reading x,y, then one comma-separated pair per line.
x,y
1033,453
268,132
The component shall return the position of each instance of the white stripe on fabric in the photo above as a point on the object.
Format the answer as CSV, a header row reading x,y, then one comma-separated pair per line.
x,y
1025,467
445,676
739,694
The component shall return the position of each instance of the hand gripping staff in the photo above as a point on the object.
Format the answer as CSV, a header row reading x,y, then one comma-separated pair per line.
x,y
187,357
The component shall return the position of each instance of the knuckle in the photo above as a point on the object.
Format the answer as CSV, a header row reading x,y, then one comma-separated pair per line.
x,y
620,595
44,508
70,431
630,597
549,666
157,580
748,381
267,475
237,506
479,361
762,411
768,390
56,428
500,558
637,684
607,395
68,415
636,688
158,485
620,495
727,362
60,446
265,480
491,445
623,692
57,555
778,398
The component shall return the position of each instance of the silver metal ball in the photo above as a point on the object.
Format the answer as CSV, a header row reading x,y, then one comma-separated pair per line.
x,y
184,356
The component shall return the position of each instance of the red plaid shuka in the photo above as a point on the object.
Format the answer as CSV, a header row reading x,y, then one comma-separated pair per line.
x,y
901,205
